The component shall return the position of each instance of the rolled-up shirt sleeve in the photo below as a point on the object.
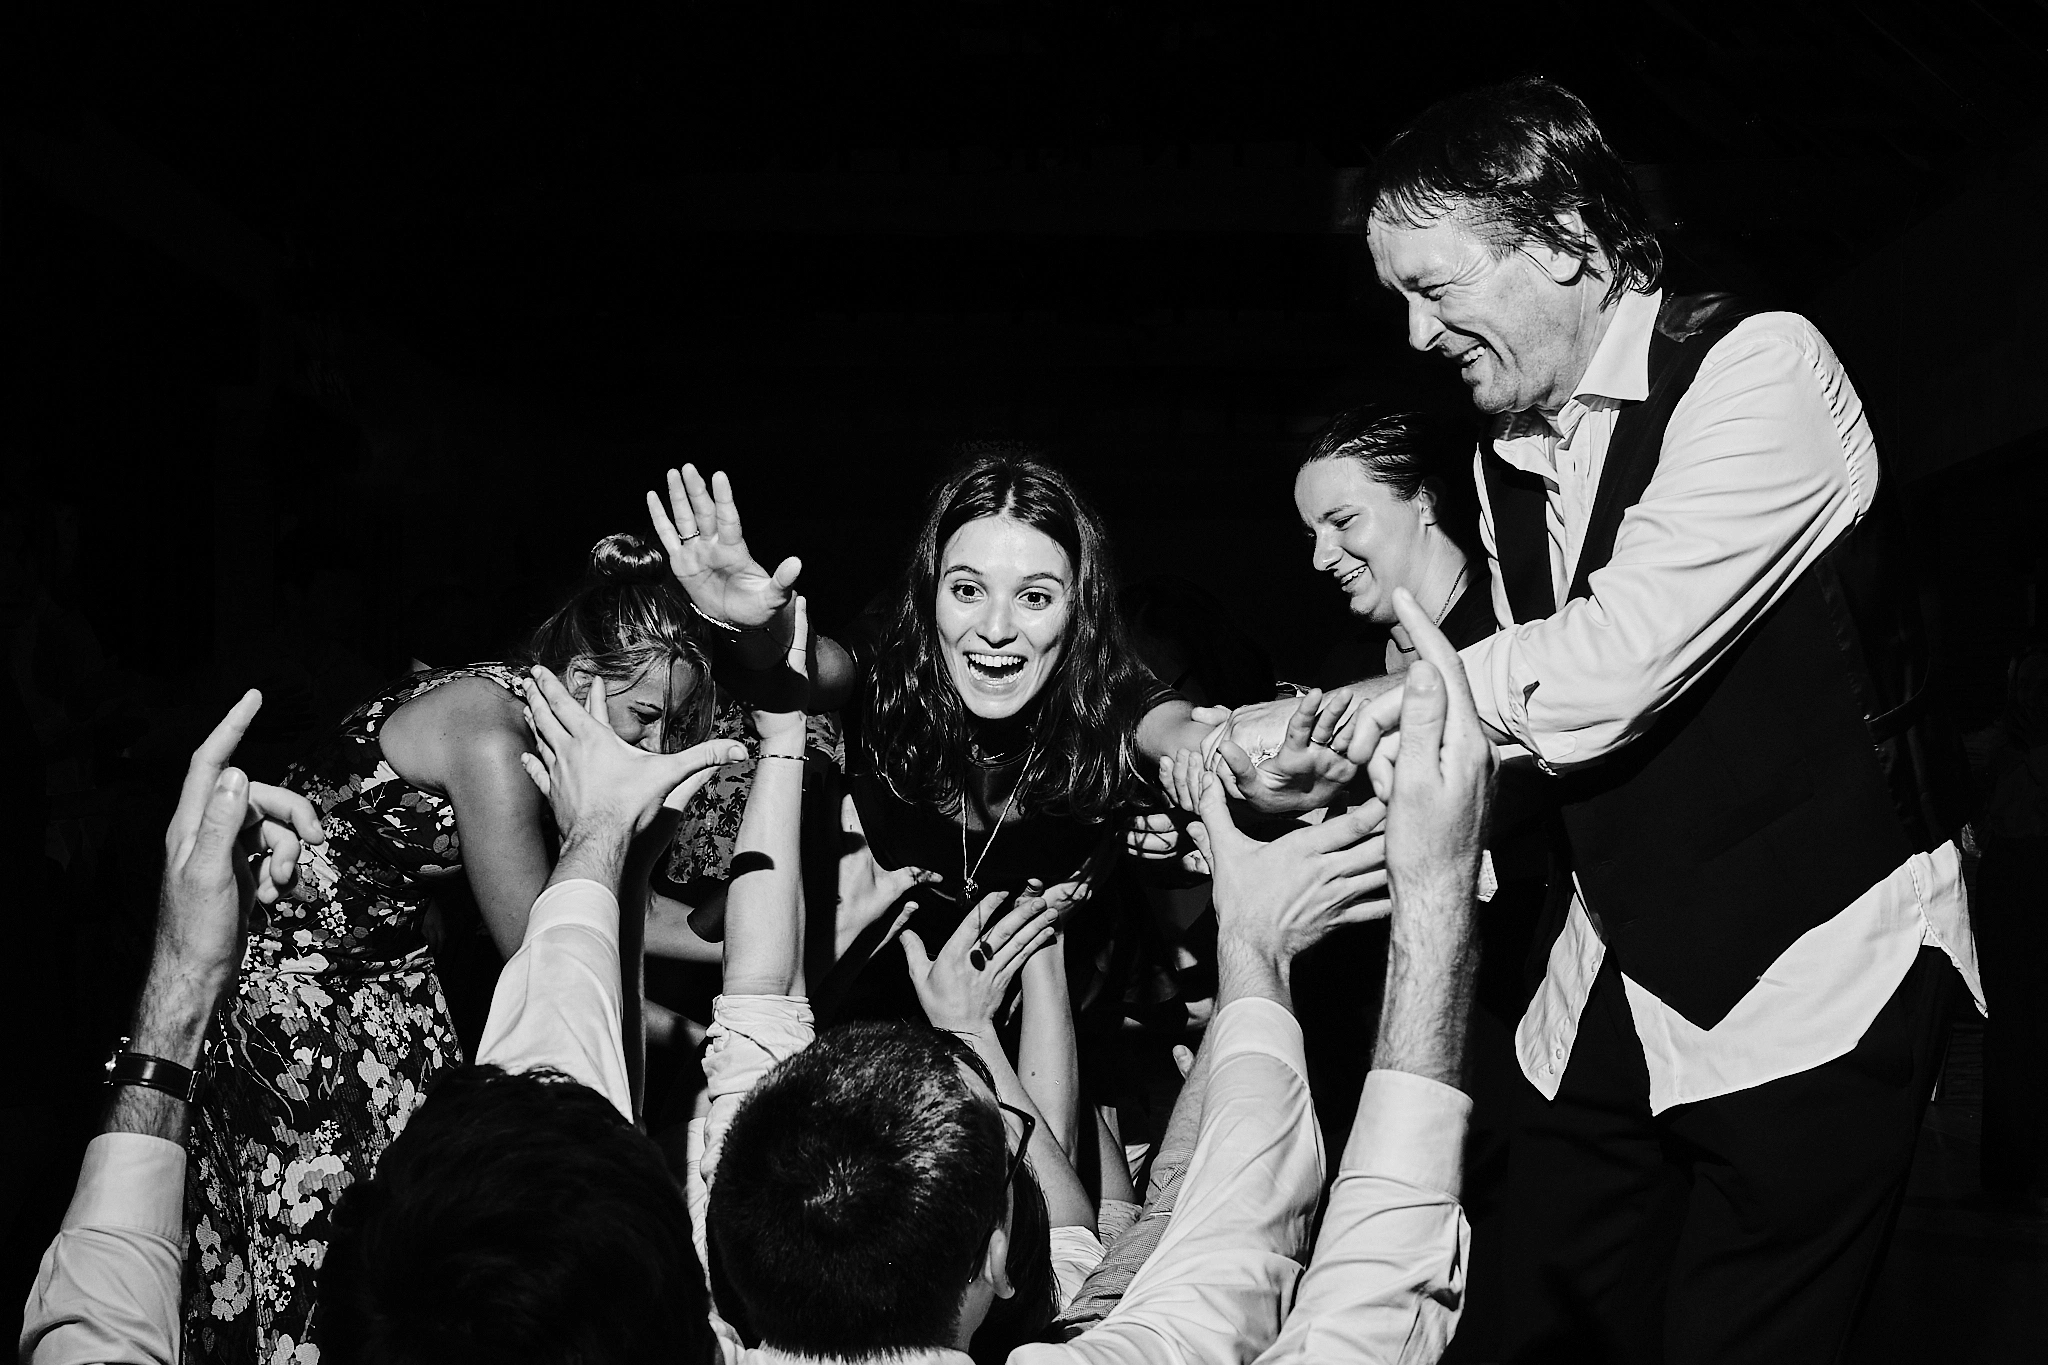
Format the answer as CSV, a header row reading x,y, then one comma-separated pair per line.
x,y
1767,461
559,1001
749,1034
1220,1283
108,1286
1387,1280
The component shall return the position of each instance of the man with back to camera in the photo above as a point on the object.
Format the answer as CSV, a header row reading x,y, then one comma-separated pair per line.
x,y
1387,1278
1708,637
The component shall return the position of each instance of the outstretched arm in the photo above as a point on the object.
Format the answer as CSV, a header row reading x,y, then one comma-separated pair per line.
x,y
764,923
963,988
107,1288
1387,1279
560,998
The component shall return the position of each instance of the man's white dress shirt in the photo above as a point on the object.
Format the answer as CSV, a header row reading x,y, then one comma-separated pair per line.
x,y
1767,461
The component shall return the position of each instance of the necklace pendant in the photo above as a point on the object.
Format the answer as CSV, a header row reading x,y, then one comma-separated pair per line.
x,y
970,889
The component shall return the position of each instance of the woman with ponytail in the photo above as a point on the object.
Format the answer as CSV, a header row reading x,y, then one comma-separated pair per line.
x,y
338,1024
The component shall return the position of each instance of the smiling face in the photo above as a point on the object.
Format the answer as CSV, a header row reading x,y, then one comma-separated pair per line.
x,y
1005,592
1366,536
642,708
1520,327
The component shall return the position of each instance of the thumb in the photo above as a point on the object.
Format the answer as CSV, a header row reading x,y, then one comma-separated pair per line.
x,y
213,845
914,955
1184,1059
1422,719
787,570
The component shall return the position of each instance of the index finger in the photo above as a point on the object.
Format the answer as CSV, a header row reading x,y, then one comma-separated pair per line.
x,y
1462,721
208,761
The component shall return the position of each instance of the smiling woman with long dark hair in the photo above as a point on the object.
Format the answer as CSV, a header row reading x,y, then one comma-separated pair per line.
x,y
999,710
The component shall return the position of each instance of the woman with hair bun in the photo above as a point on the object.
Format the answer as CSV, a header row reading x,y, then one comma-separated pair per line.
x,y
338,1025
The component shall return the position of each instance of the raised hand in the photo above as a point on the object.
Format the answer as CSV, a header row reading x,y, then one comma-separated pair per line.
x,y
963,987
1441,779
596,783
273,820
700,529
1273,900
229,842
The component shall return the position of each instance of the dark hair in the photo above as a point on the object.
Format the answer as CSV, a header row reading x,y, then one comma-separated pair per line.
x,y
517,1217
1026,1316
856,1193
1411,453
1518,155
628,613
913,734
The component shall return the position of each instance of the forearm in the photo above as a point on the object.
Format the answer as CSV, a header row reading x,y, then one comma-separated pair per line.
x,y
754,668
1066,1200
1245,971
764,932
170,1021
593,855
1048,1058
1183,1125
1170,727
670,934
1432,957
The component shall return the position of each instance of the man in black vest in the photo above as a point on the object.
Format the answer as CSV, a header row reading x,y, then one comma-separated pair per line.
x,y
1708,639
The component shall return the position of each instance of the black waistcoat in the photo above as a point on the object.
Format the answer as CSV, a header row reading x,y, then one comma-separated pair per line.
x,y
1791,777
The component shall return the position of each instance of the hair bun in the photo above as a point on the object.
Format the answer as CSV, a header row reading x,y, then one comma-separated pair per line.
x,y
626,558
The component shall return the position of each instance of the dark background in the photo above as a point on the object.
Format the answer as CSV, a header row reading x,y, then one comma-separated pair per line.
x,y
333,338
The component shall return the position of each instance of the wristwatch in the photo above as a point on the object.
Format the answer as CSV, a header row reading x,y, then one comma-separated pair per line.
x,y
136,1068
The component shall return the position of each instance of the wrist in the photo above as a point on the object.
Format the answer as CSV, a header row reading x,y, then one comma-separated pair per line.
x,y
172,1013
1245,970
595,855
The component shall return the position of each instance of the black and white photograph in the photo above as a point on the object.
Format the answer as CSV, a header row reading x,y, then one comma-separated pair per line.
x,y
967,681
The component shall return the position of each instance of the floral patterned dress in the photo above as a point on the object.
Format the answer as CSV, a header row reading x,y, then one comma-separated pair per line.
x,y
337,1028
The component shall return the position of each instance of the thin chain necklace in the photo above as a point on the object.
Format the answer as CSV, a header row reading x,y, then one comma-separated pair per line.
x,y
1450,601
971,887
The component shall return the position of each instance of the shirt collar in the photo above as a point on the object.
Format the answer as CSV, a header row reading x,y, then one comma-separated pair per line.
x,y
1618,373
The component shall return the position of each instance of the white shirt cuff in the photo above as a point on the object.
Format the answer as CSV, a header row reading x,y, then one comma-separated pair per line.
x,y
131,1180
1409,1128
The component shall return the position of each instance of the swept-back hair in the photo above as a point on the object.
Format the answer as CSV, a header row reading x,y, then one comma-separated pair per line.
x,y
858,1186
913,734
627,614
1516,156
1410,453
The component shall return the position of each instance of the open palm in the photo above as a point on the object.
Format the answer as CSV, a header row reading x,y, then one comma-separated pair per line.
x,y
700,530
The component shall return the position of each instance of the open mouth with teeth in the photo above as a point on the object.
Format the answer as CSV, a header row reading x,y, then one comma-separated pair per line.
x,y
994,668
1465,360
1348,579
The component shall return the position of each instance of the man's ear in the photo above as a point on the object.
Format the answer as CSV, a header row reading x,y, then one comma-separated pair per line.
x,y
995,1263
1562,266
576,677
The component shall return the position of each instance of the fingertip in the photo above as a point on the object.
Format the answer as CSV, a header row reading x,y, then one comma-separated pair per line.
x,y
1423,677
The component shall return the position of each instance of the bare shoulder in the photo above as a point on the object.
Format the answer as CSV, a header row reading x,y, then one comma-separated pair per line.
x,y
458,726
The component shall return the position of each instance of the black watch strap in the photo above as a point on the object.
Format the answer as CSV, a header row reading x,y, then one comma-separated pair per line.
x,y
136,1068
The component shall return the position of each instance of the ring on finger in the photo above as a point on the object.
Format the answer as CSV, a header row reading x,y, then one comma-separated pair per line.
x,y
979,955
